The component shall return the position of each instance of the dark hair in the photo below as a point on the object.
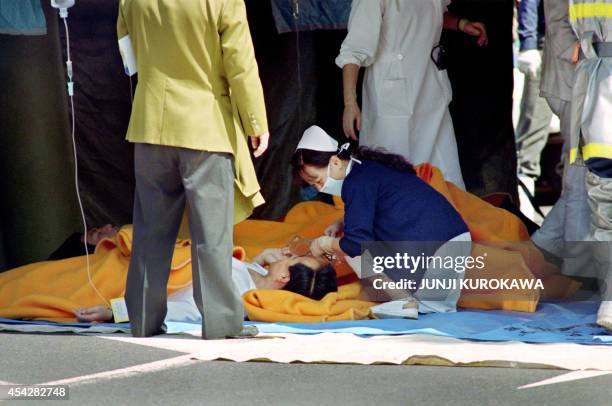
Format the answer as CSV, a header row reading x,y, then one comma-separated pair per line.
x,y
320,159
302,157
312,283
381,155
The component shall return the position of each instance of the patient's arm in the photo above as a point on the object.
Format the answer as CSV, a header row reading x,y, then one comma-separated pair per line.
x,y
271,255
95,313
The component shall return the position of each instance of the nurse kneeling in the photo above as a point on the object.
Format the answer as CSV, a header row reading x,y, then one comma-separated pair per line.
x,y
384,201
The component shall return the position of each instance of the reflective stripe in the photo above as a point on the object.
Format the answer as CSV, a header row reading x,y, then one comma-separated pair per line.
x,y
592,151
573,153
597,151
590,10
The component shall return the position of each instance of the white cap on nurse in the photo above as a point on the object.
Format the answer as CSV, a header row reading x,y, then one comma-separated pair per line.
x,y
316,139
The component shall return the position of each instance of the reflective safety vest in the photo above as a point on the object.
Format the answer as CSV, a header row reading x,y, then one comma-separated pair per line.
x,y
591,129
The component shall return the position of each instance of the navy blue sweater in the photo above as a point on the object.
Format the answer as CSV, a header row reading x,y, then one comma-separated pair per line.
x,y
384,204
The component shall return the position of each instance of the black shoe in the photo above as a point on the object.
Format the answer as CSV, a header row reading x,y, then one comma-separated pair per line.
x,y
162,330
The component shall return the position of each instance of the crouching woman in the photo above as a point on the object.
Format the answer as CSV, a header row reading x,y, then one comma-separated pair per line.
x,y
385,201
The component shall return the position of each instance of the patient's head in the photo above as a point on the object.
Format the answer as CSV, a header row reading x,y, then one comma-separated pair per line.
x,y
305,275
95,235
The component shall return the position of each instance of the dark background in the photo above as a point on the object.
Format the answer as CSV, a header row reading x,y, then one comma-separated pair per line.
x,y
302,86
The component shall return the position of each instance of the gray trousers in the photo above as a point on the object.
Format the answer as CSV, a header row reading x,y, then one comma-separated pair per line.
x,y
569,219
600,235
167,180
532,128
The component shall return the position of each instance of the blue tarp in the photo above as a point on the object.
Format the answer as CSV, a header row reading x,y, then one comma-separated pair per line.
x,y
572,322
22,17
307,15
75,324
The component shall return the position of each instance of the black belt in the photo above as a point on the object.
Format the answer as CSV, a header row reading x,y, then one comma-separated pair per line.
x,y
603,49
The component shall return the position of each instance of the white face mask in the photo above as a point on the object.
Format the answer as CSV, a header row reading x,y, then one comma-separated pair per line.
x,y
334,186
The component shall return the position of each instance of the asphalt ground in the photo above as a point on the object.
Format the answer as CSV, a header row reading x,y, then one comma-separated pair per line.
x,y
171,378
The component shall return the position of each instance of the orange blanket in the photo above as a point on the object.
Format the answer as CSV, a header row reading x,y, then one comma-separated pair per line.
x,y
284,306
52,290
501,235
309,219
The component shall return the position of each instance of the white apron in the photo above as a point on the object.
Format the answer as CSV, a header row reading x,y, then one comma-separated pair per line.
x,y
405,96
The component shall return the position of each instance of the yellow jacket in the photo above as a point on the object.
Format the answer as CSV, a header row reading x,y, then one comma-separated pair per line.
x,y
198,82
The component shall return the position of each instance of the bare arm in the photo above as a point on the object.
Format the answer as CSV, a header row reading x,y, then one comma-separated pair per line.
x,y
351,119
99,313
350,72
474,29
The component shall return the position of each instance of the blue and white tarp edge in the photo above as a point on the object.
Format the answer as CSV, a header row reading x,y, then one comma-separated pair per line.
x,y
572,322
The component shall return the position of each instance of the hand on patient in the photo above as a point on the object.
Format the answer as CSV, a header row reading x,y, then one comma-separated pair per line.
x,y
336,229
322,246
95,313
271,255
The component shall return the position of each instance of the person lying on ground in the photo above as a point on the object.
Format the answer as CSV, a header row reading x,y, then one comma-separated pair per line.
x,y
273,269
74,246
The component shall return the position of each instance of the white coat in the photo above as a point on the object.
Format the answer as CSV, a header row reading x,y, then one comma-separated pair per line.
x,y
405,96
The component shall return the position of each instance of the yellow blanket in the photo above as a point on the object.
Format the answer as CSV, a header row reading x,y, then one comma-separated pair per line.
x,y
501,235
284,306
52,290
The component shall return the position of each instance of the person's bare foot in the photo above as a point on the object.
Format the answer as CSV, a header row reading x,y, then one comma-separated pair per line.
x,y
95,313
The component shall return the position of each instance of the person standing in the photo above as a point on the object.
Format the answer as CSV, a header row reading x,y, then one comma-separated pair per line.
x,y
405,94
569,219
535,116
198,94
591,133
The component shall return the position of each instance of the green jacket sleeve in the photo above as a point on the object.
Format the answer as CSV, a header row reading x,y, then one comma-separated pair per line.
x,y
241,67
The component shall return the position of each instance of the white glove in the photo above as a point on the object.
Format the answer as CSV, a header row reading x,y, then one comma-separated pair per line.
x,y
335,229
529,62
